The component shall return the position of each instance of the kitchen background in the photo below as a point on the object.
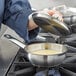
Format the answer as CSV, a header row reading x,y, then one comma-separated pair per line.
x,y
41,4
8,49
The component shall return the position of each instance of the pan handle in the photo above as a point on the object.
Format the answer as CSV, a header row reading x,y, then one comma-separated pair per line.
x,y
14,40
71,49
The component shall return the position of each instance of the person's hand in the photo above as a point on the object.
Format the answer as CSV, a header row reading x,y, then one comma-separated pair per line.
x,y
53,13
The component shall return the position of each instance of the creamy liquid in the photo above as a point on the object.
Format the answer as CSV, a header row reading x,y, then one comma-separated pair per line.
x,y
46,52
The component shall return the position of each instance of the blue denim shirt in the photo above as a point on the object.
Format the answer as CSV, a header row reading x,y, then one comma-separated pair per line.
x,y
14,13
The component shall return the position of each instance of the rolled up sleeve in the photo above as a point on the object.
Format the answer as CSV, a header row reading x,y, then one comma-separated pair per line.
x,y
16,17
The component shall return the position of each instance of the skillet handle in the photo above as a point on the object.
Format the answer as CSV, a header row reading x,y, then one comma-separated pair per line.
x,y
14,40
71,49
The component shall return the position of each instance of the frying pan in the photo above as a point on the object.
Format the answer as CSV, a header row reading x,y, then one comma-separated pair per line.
x,y
42,60
50,24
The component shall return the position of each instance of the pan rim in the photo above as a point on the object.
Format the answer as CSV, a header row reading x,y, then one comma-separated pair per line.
x,y
62,53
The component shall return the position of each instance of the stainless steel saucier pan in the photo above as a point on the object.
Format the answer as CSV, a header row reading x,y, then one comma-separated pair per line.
x,y
42,60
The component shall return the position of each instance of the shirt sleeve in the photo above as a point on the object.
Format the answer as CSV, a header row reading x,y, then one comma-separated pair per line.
x,y
16,17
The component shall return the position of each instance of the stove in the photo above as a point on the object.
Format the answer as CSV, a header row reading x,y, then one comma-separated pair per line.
x,y
21,66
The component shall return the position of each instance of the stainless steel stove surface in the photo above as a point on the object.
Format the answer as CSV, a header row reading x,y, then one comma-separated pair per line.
x,y
22,67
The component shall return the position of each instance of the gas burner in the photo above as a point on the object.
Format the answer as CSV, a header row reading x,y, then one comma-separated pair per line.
x,y
22,67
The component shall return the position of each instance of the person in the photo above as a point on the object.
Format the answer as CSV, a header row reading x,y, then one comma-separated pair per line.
x,y
15,13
